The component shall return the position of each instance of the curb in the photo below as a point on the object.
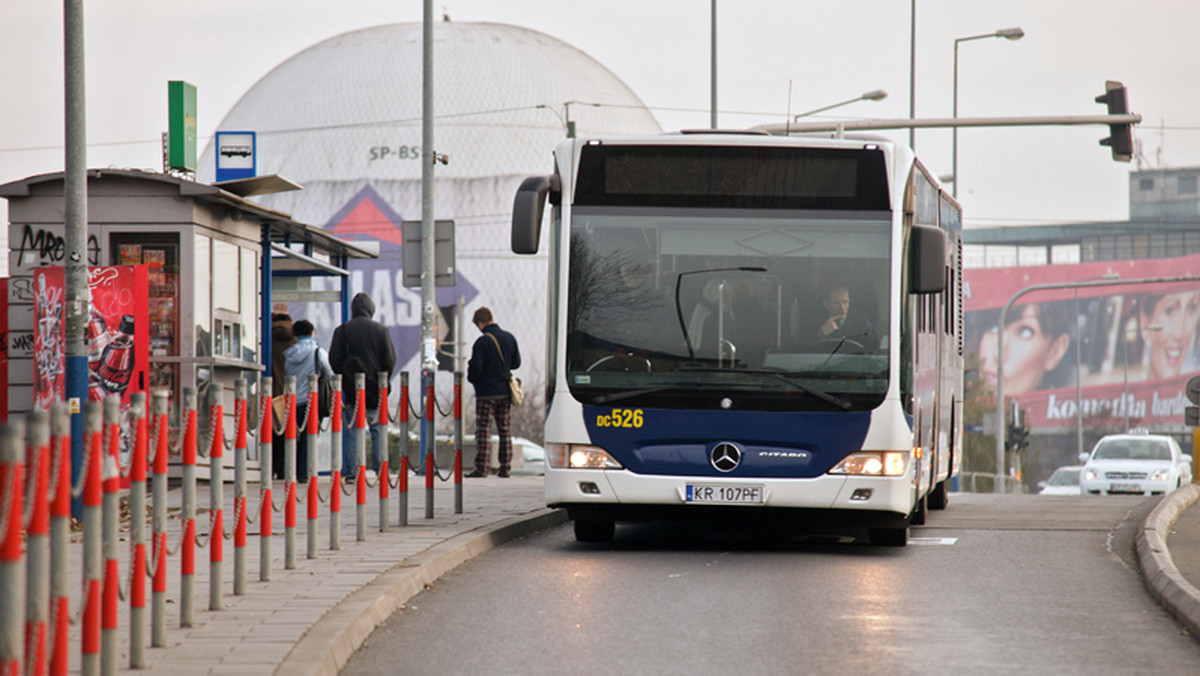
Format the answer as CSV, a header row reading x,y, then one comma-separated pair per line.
x,y
1174,593
331,641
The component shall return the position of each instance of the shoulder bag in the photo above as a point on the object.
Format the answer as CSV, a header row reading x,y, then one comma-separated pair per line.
x,y
514,383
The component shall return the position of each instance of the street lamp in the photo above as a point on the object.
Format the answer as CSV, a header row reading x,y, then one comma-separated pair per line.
x,y
874,95
1007,34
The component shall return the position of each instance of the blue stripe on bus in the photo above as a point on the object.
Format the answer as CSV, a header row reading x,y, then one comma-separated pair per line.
x,y
772,444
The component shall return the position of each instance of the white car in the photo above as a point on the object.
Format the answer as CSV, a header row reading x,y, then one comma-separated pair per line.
x,y
1137,463
1064,481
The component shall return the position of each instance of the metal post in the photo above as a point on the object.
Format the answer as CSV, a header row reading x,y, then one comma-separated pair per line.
x,y
93,420
75,214
381,422
216,506
289,474
713,68
427,376
458,443
111,479
335,466
241,408
266,479
158,594
187,562
402,488
60,542
360,454
137,532
37,543
310,459
12,563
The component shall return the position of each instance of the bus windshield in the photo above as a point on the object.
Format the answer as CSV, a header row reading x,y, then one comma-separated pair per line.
x,y
767,309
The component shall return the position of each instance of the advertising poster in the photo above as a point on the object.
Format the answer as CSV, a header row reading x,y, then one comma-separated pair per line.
x,y
3,349
1128,347
117,334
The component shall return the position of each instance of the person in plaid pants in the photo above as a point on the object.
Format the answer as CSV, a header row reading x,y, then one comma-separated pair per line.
x,y
493,356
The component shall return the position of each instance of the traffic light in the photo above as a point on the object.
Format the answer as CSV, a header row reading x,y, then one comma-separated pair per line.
x,y
1018,437
1120,136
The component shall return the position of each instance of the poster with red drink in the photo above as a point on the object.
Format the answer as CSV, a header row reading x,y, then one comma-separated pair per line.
x,y
116,333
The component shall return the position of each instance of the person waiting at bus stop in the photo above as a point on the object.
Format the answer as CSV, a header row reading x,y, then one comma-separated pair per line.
x,y
361,345
493,356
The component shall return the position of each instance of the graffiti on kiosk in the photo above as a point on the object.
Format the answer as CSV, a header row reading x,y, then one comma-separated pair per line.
x,y
45,247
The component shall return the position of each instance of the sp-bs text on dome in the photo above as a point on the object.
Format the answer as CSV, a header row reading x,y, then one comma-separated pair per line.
x,y
395,153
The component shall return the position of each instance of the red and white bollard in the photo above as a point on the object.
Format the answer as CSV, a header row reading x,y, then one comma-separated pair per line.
x,y
266,477
216,503
37,544
381,424
12,562
360,454
137,532
93,498
402,487
289,474
335,466
60,542
313,428
241,406
187,561
158,585
110,475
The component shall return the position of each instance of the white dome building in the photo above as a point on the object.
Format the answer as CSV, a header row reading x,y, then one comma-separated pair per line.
x,y
343,119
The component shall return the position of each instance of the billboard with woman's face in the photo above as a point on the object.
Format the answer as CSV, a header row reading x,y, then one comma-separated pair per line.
x,y
1127,347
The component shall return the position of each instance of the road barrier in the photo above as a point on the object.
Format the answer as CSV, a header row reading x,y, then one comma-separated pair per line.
x,y
35,510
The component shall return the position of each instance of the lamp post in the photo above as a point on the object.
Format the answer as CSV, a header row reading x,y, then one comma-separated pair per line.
x,y
1007,34
873,95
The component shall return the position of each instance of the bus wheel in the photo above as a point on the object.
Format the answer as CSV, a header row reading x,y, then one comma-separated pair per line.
x,y
920,510
595,531
940,497
888,537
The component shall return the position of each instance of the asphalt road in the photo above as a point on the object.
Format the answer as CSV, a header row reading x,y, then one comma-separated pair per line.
x,y
994,585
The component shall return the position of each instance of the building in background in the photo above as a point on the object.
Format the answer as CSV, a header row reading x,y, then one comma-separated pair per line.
x,y
1122,353
343,119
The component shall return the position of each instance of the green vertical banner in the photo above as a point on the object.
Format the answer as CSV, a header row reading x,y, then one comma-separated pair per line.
x,y
181,127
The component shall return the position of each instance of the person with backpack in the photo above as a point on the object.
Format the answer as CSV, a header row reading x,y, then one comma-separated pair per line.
x,y
302,360
361,345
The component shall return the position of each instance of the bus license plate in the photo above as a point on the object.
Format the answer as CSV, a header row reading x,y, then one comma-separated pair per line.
x,y
724,494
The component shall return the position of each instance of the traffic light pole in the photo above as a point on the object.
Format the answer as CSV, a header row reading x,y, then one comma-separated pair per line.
x,y
1003,321
950,122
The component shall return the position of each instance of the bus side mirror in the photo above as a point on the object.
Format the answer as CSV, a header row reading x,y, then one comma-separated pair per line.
x,y
528,207
927,260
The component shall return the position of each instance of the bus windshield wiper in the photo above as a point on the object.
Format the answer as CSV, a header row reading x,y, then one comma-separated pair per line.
x,y
629,394
819,394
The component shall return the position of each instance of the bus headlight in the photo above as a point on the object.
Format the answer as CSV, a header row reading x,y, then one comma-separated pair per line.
x,y
873,463
560,456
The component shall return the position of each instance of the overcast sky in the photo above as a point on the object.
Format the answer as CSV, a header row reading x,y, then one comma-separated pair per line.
x,y
822,52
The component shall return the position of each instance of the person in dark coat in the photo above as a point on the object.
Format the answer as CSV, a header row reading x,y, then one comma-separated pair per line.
x,y
361,345
493,355
282,337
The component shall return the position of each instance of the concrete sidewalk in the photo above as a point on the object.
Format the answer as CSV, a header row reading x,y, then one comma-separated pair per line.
x,y
310,619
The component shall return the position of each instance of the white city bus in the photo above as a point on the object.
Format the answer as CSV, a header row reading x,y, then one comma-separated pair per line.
x,y
690,374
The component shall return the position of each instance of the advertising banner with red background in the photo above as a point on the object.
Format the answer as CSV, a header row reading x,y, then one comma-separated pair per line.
x,y
1129,347
118,341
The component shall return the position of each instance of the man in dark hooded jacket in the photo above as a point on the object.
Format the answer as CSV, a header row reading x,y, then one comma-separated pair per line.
x,y
361,345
